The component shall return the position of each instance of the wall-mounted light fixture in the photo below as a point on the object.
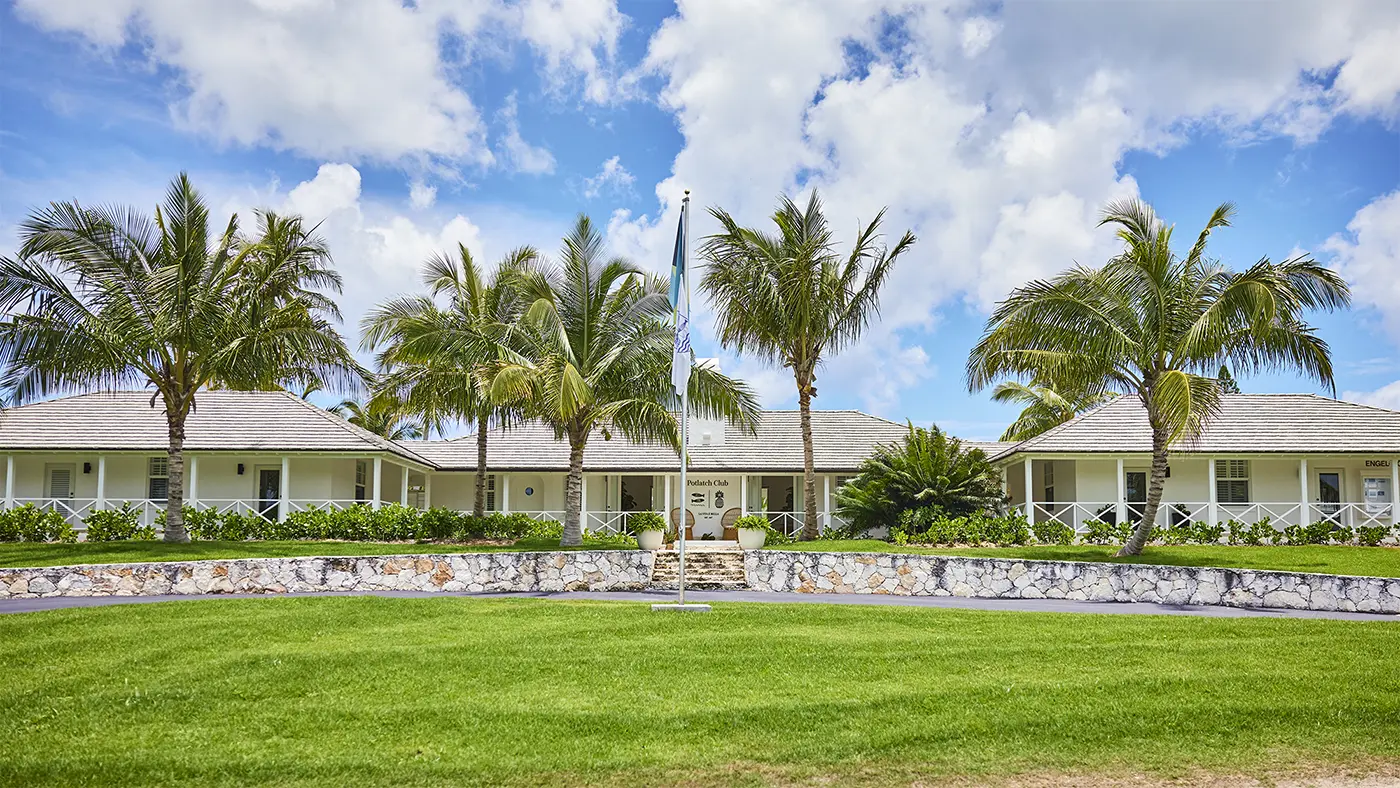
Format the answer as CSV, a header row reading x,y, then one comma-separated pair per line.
x,y
240,469
87,467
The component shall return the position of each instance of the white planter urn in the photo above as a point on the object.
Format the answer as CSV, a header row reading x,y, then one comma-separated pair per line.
x,y
752,538
651,540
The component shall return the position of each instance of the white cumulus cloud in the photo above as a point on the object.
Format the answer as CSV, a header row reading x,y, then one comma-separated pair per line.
x,y
611,176
996,138
521,155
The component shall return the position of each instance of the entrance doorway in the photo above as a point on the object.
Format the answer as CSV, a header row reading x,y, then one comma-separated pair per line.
x,y
1135,494
1329,494
269,491
635,493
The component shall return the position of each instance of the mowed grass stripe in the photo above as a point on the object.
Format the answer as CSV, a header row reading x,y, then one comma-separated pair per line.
x,y
377,691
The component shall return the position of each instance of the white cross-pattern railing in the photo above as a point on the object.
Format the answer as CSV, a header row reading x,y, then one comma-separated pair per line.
x,y
542,514
1171,514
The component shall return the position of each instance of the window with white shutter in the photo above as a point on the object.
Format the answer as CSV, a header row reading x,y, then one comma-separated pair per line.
x,y
490,492
61,482
158,478
1232,481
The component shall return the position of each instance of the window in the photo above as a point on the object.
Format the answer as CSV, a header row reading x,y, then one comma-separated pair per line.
x,y
490,492
157,478
361,479
1232,481
1049,482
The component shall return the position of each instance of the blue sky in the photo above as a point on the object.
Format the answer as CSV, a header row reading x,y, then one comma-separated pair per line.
x,y
994,131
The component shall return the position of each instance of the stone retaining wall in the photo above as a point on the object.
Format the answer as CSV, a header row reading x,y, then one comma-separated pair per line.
x,y
600,570
927,575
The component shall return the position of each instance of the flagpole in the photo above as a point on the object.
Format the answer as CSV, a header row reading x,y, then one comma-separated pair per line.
x,y
681,368
685,411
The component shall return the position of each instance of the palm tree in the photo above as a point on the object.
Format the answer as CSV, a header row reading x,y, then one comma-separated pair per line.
x,y
101,298
382,415
790,299
592,353
1043,407
1158,326
437,358
927,472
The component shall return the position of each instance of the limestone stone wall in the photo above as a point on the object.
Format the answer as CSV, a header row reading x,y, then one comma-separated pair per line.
x,y
926,575
601,570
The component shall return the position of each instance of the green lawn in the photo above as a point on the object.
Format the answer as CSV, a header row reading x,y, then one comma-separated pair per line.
x,y
14,554
1338,560
407,692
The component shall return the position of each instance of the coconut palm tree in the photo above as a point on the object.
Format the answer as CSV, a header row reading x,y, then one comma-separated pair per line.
x,y
100,298
436,358
592,354
1158,326
1043,407
791,299
382,415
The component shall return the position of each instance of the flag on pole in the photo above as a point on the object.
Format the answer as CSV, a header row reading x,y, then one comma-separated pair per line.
x,y
680,302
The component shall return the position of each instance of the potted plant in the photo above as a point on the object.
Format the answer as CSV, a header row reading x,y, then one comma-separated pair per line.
x,y
650,528
753,531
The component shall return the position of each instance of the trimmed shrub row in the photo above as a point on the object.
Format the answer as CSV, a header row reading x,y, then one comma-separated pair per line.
x,y
392,523
1235,532
923,526
29,523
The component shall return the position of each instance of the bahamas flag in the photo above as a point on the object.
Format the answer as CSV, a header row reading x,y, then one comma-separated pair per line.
x,y
680,302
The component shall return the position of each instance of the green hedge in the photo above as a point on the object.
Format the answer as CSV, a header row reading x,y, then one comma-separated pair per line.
x,y
924,526
117,525
392,523
1235,532
29,523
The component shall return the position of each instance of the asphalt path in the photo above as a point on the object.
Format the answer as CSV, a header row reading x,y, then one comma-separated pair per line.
x,y
723,597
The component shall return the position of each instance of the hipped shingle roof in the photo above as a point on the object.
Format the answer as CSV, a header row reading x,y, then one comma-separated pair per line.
x,y
1247,424
221,421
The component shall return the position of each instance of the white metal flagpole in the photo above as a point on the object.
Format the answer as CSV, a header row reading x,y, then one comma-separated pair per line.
x,y
685,400
680,380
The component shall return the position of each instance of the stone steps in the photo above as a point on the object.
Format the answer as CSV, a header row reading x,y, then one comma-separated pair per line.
x,y
716,570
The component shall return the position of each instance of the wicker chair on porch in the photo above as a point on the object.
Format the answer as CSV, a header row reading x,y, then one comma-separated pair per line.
x,y
689,522
727,521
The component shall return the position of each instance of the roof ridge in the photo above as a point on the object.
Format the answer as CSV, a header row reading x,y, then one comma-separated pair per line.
x,y
1028,443
1366,405
382,443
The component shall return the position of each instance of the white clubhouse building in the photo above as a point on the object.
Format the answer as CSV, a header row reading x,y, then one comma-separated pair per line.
x,y
274,453
1291,458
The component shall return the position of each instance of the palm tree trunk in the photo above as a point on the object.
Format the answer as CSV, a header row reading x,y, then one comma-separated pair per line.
x,y
573,492
175,483
1156,480
811,529
479,506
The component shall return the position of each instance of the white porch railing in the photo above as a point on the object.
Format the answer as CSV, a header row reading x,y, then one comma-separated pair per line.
x,y
548,516
1174,513
72,509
